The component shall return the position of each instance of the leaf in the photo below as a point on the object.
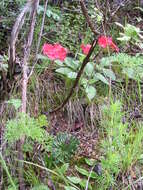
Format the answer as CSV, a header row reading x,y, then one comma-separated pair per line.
x,y
129,72
59,63
40,187
124,38
90,162
69,188
109,73
42,57
64,168
83,184
63,70
75,180
101,78
84,82
70,62
89,69
91,92
42,120
82,171
72,75
118,24
15,102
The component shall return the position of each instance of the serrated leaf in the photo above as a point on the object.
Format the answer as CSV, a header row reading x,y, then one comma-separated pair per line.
x,y
64,168
42,120
91,92
75,180
101,78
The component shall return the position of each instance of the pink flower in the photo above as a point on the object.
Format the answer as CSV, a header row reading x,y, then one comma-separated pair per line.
x,y
85,48
104,42
55,51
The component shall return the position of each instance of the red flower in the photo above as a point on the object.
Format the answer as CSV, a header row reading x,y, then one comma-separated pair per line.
x,y
55,51
85,48
104,42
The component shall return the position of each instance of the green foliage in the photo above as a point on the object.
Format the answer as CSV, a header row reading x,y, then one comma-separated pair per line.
x,y
3,64
15,102
40,187
64,146
125,65
70,67
131,33
51,12
23,125
121,146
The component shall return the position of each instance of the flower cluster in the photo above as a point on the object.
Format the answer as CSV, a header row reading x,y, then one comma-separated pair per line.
x,y
105,42
55,51
85,48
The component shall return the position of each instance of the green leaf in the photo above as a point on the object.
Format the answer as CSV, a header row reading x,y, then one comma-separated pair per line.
x,y
64,168
89,69
90,162
101,78
129,72
70,62
75,180
42,57
83,184
42,120
69,188
40,187
84,82
15,102
109,73
63,70
91,92
72,75
124,39
59,63
82,171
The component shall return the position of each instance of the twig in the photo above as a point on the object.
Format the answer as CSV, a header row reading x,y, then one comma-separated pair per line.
x,y
85,61
87,183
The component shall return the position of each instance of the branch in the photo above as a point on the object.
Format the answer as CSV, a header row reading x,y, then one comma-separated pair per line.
x,y
85,61
85,13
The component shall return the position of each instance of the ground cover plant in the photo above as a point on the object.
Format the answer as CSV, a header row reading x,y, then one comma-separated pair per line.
x,y
71,95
